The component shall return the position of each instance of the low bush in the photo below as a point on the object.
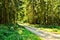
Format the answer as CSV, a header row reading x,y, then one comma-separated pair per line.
x,y
7,33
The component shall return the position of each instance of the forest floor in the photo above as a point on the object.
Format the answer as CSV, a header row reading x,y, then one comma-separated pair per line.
x,y
16,32
44,34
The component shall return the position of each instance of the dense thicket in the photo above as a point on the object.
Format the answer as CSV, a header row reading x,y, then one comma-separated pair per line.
x,y
8,11
44,12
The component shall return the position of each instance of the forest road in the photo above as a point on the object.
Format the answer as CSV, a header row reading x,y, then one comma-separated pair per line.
x,y
43,34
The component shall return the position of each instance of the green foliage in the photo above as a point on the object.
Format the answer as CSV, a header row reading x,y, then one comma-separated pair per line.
x,y
9,34
44,12
16,32
27,35
48,28
14,37
2,37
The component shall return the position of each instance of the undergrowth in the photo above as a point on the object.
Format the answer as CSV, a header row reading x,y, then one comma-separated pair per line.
x,y
16,32
49,28
8,32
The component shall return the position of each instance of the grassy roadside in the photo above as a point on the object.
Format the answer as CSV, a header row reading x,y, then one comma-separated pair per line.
x,y
16,32
28,35
51,28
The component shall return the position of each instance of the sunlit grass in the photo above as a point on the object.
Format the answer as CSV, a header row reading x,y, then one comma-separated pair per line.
x,y
53,30
49,28
27,35
16,32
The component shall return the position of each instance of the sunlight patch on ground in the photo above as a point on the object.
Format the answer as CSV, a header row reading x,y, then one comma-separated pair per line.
x,y
52,30
56,31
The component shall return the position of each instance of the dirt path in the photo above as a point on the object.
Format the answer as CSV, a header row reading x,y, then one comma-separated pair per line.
x,y
43,34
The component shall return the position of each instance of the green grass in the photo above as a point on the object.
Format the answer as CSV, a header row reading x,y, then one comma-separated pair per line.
x,y
52,30
49,28
16,32
27,35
